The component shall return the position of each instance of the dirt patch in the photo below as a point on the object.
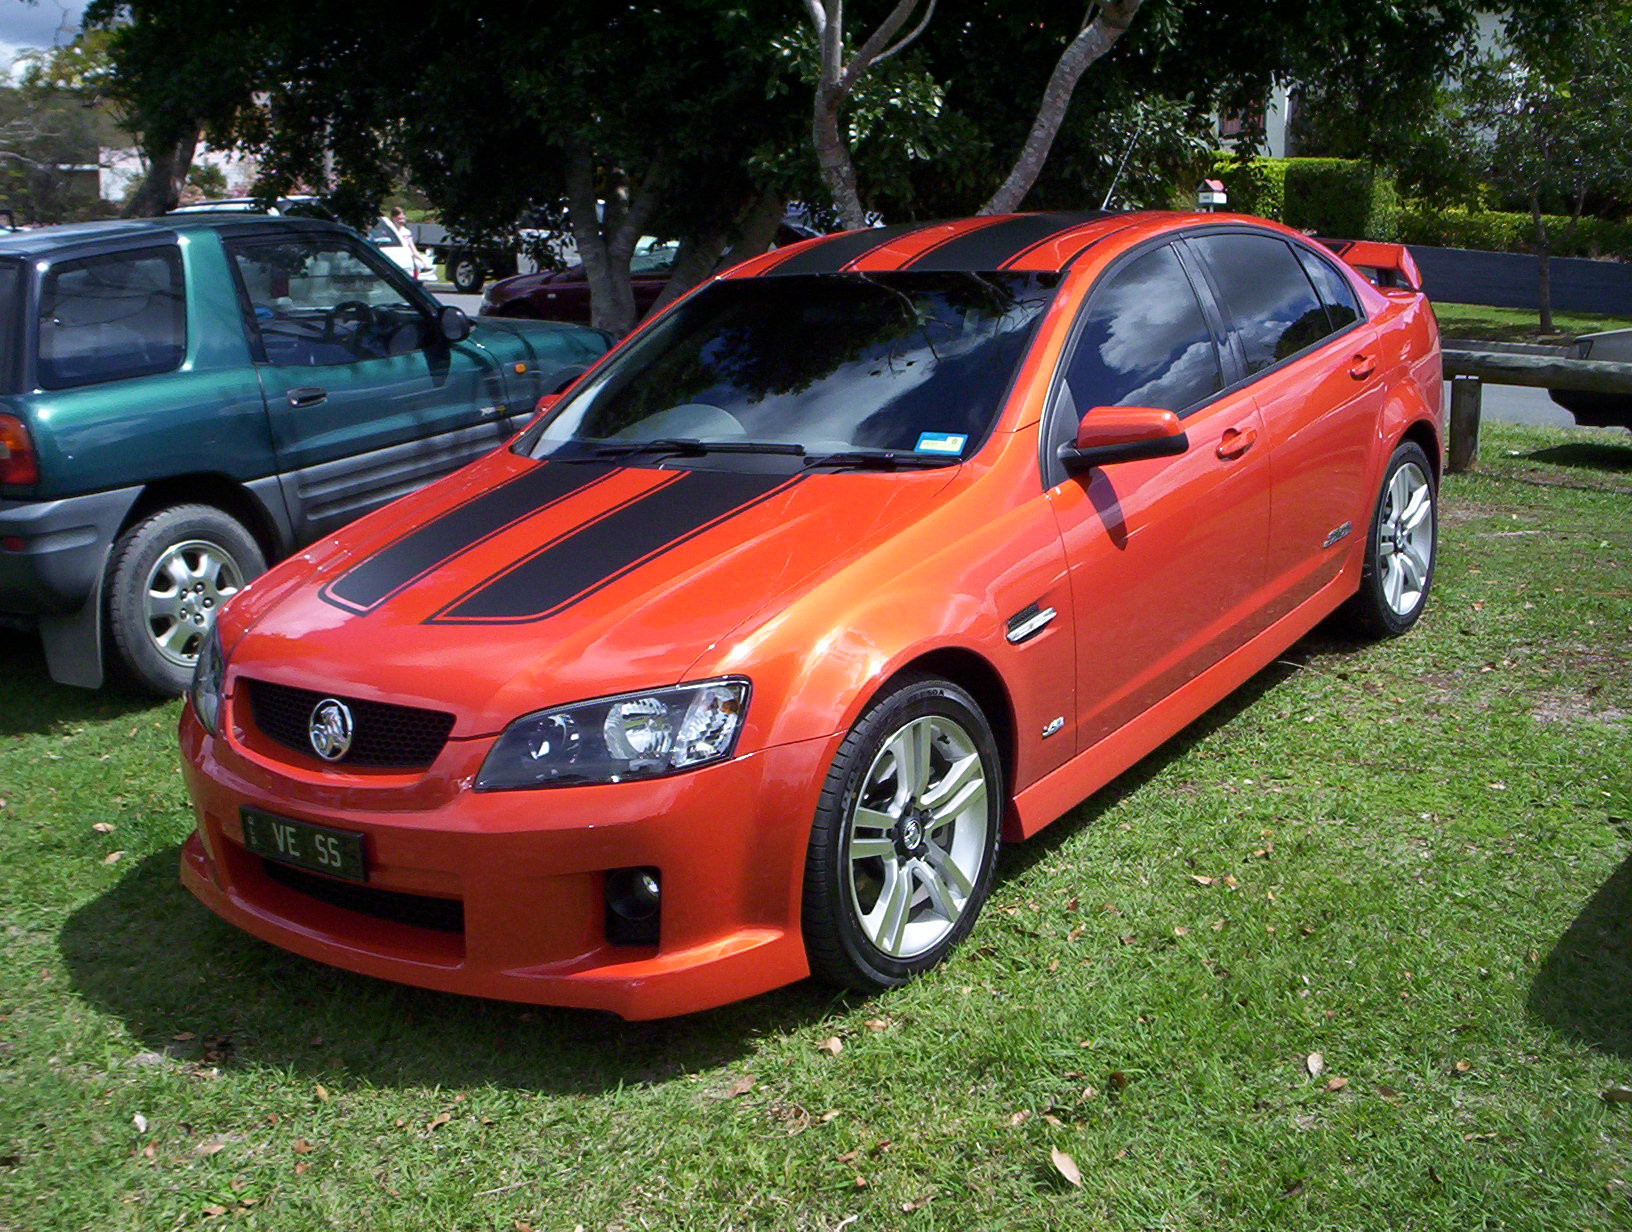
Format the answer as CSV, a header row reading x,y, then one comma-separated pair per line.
x,y
1576,708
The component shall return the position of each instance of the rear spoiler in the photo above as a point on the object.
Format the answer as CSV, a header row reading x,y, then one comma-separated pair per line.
x,y
1384,265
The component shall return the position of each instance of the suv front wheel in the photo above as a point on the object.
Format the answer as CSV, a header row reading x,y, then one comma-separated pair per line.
x,y
168,576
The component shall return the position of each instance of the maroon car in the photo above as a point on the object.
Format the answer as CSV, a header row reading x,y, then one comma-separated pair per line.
x,y
563,295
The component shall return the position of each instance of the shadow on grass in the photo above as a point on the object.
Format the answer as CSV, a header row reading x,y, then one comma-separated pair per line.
x,y
1584,987
149,954
1584,455
31,702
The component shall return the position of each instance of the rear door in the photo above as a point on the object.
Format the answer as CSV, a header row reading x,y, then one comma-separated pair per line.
x,y
366,399
1317,380
1166,555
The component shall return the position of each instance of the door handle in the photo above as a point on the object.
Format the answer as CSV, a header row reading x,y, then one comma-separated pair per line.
x,y
1364,366
307,395
1236,441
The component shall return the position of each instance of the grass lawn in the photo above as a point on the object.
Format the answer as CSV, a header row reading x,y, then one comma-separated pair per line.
x,y
1518,324
1411,858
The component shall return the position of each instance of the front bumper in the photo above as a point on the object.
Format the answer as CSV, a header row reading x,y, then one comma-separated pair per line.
x,y
527,868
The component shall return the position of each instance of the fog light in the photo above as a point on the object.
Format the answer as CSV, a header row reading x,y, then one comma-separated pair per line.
x,y
633,899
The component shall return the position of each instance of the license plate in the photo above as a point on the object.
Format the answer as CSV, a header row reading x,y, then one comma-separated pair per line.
x,y
338,853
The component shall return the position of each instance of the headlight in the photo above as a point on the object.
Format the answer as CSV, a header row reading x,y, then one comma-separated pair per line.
x,y
208,674
614,739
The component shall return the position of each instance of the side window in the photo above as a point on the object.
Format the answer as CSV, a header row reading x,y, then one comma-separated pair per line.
x,y
315,301
110,317
1266,294
1342,309
1144,341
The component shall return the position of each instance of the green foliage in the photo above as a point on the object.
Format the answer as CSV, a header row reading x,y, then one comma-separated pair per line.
x,y
1254,185
1499,231
1341,197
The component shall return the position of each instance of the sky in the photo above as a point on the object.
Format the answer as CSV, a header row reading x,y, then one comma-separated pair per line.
x,y
35,23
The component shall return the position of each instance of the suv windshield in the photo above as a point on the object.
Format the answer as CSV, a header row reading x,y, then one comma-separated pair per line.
x,y
903,362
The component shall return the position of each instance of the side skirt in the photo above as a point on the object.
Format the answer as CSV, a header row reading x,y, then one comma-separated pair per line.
x,y
1058,792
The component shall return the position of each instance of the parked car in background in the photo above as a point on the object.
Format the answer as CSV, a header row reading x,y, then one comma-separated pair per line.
x,y
563,295
738,663
306,206
184,399
1600,410
417,265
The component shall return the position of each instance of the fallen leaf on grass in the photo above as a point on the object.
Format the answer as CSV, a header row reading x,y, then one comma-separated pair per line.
x,y
214,1209
860,1181
1314,1063
208,1148
438,1121
1020,1118
1337,1084
1230,882
103,827
113,857
300,1168
740,1087
879,1024
1118,1080
322,1093
1200,880
1618,1095
1463,1067
140,1122
1388,1093
1050,1119
916,1204
181,1037
1179,930
303,1146
832,1045
847,1157
1066,1166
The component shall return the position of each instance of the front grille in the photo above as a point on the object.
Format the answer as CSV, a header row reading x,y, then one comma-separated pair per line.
x,y
444,915
383,735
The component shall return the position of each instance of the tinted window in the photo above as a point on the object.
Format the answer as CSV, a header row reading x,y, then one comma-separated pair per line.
x,y
1267,295
1342,309
315,301
11,320
110,317
898,361
1144,341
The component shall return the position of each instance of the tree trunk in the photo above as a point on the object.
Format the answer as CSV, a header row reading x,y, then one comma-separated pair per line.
x,y
1092,42
606,263
700,256
1544,265
833,157
168,163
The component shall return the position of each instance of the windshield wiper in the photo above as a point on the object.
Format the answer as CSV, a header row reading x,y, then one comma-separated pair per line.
x,y
692,448
882,460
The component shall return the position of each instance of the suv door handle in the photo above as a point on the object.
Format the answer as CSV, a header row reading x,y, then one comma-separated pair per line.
x,y
1236,441
307,395
1364,366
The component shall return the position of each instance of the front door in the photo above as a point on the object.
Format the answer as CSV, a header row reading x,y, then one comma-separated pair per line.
x,y
366,400
1166,555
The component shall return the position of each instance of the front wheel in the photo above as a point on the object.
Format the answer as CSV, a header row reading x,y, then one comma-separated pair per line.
x,y
466,274
1401,547
904,844
167,578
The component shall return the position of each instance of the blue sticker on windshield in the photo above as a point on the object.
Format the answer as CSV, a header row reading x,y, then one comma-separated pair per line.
x,y
940,442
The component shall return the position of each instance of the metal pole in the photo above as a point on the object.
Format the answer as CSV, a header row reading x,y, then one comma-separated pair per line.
x,y
1466,398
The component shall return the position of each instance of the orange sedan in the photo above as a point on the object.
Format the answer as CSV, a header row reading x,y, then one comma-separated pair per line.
x,y
870,553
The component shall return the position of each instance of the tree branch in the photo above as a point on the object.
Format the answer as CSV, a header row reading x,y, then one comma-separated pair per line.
x,y
870,51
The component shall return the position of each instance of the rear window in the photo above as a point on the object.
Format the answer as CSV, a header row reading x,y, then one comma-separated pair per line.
x,y
111,317
1269,298
11,319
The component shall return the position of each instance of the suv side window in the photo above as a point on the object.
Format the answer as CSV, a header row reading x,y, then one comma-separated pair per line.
x,y
315,300
1144,341
110,317
1342,309
1266,295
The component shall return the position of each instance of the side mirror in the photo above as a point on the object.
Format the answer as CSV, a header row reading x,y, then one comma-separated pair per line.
x,y
453,322
1124,434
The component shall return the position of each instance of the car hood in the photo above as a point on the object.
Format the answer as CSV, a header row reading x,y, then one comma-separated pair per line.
x,y
515,585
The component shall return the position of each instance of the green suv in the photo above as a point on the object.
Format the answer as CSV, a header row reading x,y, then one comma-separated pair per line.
x,y
185,399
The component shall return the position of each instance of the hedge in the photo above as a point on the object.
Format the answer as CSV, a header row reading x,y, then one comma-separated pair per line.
x,y
1329,196
1494,231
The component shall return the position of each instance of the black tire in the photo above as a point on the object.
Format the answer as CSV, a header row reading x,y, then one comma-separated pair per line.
x,y
158,648
836,941
466,273
1369,612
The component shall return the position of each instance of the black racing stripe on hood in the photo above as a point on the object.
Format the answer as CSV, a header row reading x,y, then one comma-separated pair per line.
x,y
987,248
581,562
833,254
398,565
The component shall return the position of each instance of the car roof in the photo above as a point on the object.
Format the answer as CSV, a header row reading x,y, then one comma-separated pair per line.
x,y
1025,243
46,241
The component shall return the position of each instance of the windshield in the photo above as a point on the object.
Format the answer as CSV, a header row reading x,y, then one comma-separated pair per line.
x,y
913,363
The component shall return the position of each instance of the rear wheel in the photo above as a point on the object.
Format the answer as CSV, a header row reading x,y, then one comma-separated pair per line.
x,y
168,576
1401,547
904,843
466,273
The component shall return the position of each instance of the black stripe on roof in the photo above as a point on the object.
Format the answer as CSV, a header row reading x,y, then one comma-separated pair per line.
x,y
833,254
988,248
